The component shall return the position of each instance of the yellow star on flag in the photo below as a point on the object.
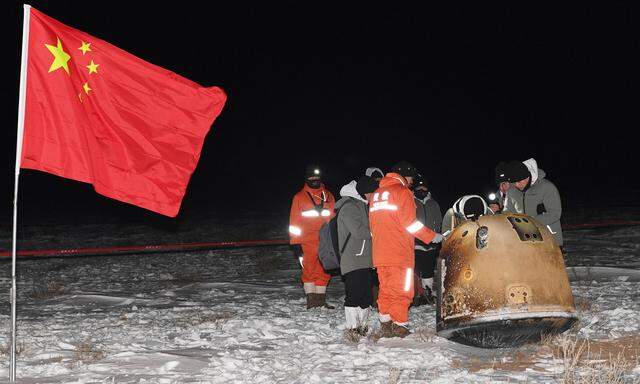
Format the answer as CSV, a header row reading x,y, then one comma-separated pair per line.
x,y
60,57
93,67
86,88
85,47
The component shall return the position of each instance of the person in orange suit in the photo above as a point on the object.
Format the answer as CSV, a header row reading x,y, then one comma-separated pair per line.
x,y
392,218
312,206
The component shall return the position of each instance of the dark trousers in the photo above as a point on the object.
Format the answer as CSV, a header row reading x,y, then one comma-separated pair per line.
x,y
426,263
357,286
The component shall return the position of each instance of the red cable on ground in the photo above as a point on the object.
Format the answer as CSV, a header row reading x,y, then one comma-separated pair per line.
x,y
223,244
143,248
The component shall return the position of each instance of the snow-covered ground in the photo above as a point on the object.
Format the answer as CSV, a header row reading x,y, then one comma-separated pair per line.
x,y
239,316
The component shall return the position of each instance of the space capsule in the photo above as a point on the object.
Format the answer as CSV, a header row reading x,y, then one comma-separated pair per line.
x,y
501,283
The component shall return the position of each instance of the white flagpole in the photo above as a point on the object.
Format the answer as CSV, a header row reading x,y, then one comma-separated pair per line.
x,y
21,109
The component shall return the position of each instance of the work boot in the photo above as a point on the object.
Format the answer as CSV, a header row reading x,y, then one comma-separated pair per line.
x,y
418,300
427,298
384,331
399,330
322,301
312,301
430,297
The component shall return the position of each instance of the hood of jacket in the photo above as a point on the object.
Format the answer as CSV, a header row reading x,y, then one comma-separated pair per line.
x,y
349,190
370,171
536,173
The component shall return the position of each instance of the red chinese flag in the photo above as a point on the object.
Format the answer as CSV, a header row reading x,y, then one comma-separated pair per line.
x,y
97,114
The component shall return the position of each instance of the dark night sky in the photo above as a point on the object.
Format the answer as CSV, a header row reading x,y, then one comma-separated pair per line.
x,y
453,89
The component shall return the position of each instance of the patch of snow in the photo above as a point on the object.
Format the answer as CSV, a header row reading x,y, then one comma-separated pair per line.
x,y
239,315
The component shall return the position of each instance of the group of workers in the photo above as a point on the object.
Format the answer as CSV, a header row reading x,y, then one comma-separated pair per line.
x,y
389,229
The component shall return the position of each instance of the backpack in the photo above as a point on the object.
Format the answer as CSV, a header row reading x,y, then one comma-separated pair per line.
x,y
329,251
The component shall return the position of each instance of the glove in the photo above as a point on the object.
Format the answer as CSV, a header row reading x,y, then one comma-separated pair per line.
x,y
437,239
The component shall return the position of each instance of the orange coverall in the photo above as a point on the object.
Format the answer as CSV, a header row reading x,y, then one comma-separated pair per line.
x,y
305,220
394,225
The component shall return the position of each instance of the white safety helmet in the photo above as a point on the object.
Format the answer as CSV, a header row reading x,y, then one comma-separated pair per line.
x,y
470,207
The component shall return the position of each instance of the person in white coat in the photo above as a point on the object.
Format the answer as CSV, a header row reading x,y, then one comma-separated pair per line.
x,y
354,241
540,197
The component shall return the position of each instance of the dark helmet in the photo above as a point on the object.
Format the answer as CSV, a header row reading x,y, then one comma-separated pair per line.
x,y
420,181
404,168
517,171
312,170
501,174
